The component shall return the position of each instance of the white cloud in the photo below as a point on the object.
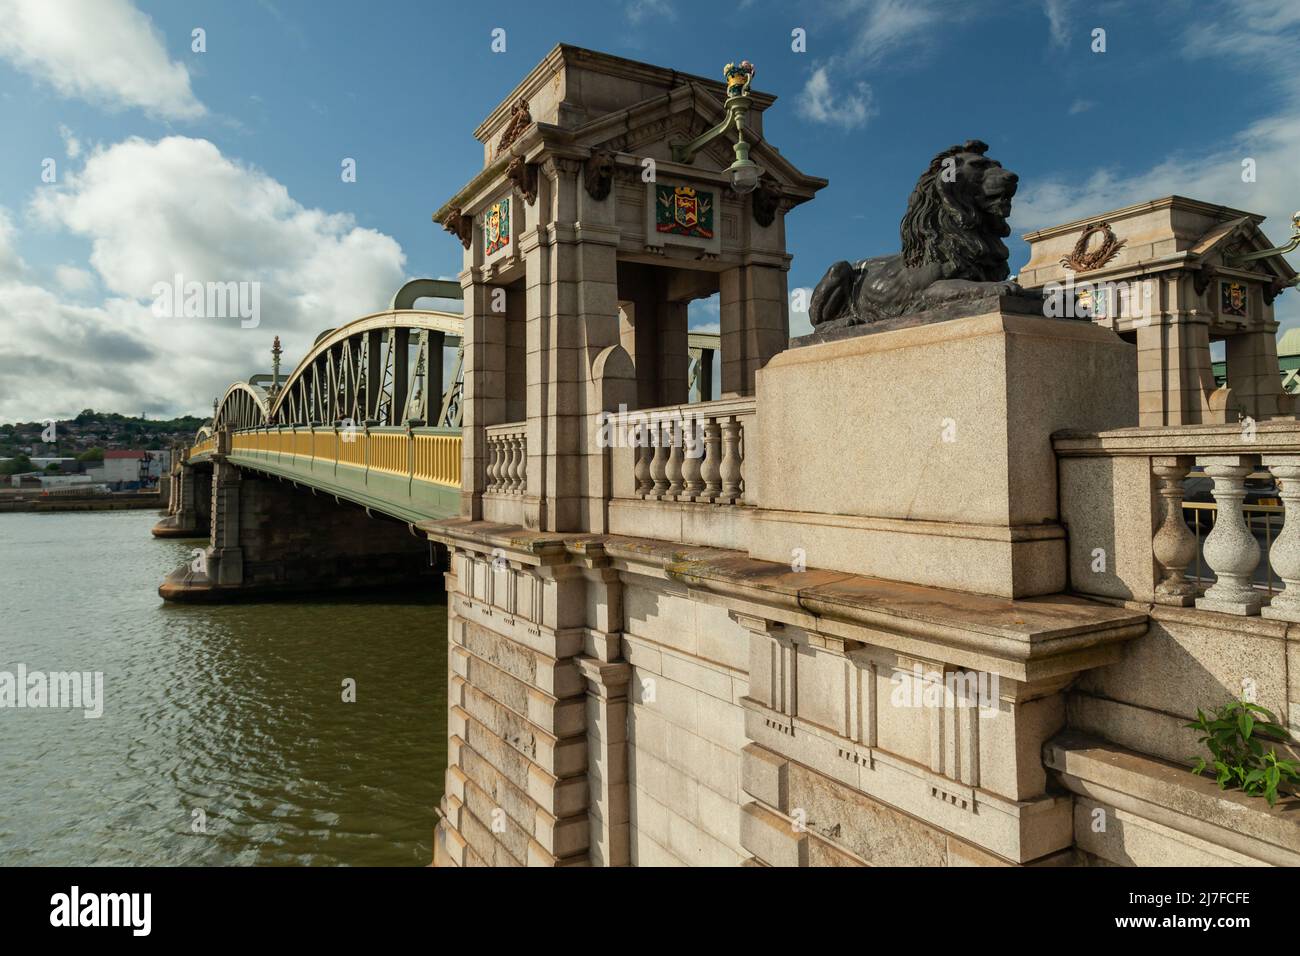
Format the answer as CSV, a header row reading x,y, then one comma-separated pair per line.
x,y
74,280
71,145
877,30
11,264
892,25
1081,106
1259,35
103,51
849,109
151,210
1058,12
638,11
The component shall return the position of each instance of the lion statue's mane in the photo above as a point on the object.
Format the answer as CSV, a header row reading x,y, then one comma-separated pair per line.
x,y
952,246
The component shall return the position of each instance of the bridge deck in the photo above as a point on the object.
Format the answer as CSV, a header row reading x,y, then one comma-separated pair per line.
x,y
410,474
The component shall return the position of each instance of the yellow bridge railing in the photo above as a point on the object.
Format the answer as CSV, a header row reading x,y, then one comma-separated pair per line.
x,y
419,455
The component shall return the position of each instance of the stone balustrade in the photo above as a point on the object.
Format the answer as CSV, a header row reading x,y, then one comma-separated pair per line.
x,y
507,461
686,453
1128,533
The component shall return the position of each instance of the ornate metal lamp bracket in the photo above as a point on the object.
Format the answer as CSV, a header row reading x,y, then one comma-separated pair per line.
x,y
1291,246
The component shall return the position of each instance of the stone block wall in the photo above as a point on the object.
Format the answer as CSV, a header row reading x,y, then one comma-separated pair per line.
x,y
686,729
620,701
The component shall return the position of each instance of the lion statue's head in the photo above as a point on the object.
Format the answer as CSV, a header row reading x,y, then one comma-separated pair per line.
x,y
958,213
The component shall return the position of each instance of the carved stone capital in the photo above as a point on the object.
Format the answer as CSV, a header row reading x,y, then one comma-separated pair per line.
x,y
556,166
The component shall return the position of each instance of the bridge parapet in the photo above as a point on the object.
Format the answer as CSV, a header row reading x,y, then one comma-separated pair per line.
x,y
1146,499
412,473
681,472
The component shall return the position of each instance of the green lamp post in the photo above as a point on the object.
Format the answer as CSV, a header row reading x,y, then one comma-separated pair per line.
x,y
743,171
1291,246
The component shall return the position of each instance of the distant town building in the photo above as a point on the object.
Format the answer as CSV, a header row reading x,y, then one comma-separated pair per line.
x,y
125,469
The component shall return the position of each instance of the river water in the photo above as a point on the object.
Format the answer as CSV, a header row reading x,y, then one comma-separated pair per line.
x,y
225,738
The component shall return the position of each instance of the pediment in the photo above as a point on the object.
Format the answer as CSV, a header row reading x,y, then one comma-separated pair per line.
x,y
1243,236
650,128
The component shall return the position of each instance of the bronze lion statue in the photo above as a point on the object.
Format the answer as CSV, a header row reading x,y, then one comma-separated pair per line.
x,y
952,246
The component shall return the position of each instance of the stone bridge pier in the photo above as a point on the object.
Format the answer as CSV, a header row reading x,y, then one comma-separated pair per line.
x,y
189,503
269,535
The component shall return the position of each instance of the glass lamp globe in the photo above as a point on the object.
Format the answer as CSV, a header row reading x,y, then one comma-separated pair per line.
x,y
744,177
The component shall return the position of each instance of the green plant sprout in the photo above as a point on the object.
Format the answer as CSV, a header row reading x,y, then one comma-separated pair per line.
x,y
1235,737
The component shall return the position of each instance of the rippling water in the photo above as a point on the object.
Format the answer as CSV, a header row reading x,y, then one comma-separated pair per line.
x,y
234,710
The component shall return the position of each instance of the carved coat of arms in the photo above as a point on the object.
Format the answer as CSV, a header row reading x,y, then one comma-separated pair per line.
x,y
684,211
496,226
1233,299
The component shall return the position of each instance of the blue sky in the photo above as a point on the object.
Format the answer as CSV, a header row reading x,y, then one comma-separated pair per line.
x,y
226,163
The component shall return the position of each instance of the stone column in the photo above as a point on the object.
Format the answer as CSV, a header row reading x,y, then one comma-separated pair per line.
x,y
572,317
225,557
1174,376
607,763
755,323
1251,359
185,510
484,401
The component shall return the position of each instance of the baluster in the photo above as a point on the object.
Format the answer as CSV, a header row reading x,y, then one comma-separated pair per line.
x,y
711,467
644,452
1285,553
693,452
503,443
730,468
1231,550
522,441
494,463
1174,546
676,446
659,464
516,455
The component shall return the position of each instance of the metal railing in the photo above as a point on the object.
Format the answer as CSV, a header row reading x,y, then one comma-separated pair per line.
x,y
418,454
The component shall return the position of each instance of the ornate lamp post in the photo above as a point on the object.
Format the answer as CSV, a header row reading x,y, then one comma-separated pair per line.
x,y
276,351
1291,246
744,173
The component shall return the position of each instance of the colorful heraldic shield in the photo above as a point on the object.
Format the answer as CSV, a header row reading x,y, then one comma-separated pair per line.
x,y
1233,298
496,226
684,211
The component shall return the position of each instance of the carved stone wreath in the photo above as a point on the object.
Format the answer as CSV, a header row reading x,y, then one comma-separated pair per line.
x,y
1081,259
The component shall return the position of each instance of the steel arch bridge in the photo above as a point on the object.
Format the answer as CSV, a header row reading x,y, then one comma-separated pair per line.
x,y
365,415
369,414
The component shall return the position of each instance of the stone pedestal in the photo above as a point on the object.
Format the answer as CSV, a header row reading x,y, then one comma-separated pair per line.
x,y
924,454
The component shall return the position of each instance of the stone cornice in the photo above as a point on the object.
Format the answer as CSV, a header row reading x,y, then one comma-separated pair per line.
x,y
598,62
1026,640
1165,202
